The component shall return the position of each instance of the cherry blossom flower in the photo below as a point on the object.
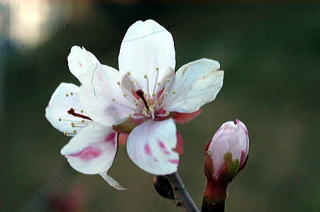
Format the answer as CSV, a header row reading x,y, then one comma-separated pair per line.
x,y
142,99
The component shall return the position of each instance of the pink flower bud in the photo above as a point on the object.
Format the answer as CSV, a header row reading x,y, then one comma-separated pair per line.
x,y
226,154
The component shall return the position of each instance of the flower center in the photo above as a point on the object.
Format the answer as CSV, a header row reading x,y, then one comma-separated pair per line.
x,y
146,106
148,97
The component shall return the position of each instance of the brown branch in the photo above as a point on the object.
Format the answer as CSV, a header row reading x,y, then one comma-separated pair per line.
x,y
181,194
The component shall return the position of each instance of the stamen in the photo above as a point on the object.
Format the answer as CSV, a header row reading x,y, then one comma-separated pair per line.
x,y
148,92
167,89
72,112
129,97
69,134
145,112
66,120
156,82
78,124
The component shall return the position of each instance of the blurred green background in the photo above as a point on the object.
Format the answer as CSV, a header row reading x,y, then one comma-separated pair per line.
x,y
271,57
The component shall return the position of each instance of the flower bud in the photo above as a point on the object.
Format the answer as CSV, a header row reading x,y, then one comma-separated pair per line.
x,y
226,154
163,186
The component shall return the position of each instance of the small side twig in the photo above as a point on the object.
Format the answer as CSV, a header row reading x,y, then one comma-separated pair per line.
x,y
181,194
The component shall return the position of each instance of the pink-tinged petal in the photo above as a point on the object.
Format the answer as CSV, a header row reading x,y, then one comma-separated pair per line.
x,y
87,153
103,99
174,161
82,64
147,52
64,98
182,118
150,146
92,151
112,182
196,84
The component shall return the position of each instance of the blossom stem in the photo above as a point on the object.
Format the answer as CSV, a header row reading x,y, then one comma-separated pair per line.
x,y
181,193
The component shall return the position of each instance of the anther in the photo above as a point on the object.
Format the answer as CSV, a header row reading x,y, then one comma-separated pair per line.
x,y
157,69
71,94
74,131
73,125
67,95
118,83
129,73
145,76
173,92
60,119
113,99
81,111
125,95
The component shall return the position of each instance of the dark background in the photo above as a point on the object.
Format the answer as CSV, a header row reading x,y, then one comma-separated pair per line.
x,y
271,57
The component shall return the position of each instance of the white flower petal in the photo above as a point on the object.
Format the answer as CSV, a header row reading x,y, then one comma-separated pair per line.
x,y
196,84
62,100
104,100
92,151
112,182
147,52
150,147
82,63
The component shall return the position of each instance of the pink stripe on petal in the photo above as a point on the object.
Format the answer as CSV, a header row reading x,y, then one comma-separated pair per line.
x,y
110,137
147,149
163,147
161,144
87,153
174,161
